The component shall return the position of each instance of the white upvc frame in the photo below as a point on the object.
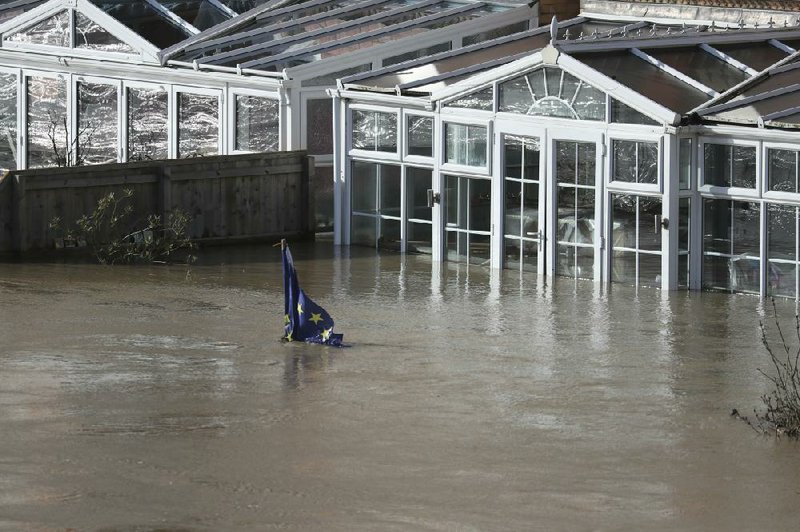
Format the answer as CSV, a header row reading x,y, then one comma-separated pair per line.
x,y
177,90
71,105
728,192
504,128
386,156
418,159
636,188
774,195
464,119
230,124
405,218
20,113
124,137
143,50
602,226
98,80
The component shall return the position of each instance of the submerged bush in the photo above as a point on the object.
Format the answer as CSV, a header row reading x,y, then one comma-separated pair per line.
x,y
113,236
781,405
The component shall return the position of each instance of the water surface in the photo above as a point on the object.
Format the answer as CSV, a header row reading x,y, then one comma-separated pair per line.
x,y
144,398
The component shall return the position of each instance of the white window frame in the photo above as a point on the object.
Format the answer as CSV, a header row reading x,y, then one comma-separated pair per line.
x,y
71,104
747,194
441,140
99,80
638,188
233,94
774,195
21,113
174,117
692,164
418,159
167,88
370,154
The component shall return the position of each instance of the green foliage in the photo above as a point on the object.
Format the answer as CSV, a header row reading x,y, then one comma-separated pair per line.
x,y
113,235
781,413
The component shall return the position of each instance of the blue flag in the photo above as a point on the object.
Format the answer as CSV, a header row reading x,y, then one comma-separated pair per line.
x,y
304,320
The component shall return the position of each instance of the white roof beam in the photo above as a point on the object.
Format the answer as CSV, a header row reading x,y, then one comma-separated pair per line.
x,y
781,114
722,56
780,46
673,72
733,104
173,17
222,7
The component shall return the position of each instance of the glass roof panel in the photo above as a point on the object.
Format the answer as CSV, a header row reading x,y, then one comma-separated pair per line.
x,y
757,55
456,62
241,6
91,35
201,14
143,19
791,43
359,36
646,79
701,66
262,32
752,112
9,10
773,82
52,31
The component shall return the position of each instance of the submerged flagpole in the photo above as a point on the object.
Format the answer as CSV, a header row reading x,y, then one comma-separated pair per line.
x,y
304,320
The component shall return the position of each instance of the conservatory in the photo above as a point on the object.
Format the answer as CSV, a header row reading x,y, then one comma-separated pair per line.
x,y
619,151
99,81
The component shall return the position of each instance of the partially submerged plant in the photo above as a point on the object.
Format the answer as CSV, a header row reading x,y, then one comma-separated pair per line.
x,y
113,237
781,414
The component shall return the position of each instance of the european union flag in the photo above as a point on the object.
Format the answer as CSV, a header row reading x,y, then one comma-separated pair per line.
x,y
305,321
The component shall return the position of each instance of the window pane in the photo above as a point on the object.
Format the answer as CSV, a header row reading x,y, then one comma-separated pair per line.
x,y
480,204
90,35
420,136
363,230
465,145
323,198
365,187
647,162
53,31
8,121
781,232
418,182
47,122
482,100
782,170
717,165
257,124
374,131
625,114
551,92
744,166
198,125
97,123
624,160
390,190
685,149
649,225
319,126
147,124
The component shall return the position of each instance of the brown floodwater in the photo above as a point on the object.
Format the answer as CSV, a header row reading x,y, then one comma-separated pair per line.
x,y
159,398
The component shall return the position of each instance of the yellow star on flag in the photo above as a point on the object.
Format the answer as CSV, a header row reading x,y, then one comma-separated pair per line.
x,y
326,333
286,318
316,318
289,336
299,308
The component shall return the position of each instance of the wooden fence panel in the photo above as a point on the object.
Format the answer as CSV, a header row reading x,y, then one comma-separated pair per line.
x,y
233,197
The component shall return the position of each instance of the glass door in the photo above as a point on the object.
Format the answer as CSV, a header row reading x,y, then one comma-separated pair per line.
x,y
577,228
468,203
523,204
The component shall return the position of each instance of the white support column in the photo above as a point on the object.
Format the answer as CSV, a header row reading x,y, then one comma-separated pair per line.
x,y
498,203
297,115
670,211
22,121
438,216
339,156
72,146
550,247
696,222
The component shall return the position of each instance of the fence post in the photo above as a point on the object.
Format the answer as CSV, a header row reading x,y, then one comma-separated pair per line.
x,y
165,192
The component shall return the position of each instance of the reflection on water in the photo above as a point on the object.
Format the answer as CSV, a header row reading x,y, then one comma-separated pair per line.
x,y
145,397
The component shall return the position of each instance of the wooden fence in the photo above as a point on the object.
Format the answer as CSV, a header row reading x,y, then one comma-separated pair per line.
x,y
228,198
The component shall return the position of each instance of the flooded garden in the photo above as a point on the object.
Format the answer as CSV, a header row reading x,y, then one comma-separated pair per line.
x,y
160,398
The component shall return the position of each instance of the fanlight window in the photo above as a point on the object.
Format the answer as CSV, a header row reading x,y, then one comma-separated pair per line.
x,y
552,92
58,30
